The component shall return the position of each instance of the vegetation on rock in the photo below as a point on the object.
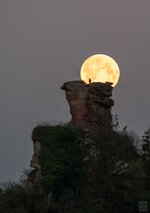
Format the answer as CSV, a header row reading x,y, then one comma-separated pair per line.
x,y
60,158
83,171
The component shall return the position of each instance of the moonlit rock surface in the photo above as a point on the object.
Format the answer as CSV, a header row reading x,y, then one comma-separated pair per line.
x,y
90,104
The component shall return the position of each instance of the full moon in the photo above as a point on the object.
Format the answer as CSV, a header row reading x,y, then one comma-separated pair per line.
x,y
100,68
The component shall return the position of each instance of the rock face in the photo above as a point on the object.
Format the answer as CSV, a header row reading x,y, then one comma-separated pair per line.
x,y
35,175
90,104
90,107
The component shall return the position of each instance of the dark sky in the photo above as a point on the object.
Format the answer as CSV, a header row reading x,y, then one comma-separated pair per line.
x,y
44,43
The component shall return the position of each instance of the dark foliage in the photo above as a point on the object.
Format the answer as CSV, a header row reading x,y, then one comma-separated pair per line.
x,y
113,181
60,158
19,198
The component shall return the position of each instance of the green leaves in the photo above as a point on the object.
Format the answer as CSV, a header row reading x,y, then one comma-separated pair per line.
x,y
76,181
60,157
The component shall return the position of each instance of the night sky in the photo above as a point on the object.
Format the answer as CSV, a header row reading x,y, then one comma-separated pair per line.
x,y
44,43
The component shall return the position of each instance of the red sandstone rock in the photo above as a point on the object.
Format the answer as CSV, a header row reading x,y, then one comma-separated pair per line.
x,y
90,104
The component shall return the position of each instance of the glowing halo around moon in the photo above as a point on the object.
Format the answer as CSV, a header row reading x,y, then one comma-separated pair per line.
x,y
100,68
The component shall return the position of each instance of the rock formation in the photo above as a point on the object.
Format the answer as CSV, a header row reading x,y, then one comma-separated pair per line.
x,y
90,104
35,175
90,108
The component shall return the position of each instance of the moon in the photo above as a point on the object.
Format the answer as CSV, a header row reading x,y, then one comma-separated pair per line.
x,y
100,68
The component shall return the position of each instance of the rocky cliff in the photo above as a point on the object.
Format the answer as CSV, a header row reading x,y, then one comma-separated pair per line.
x,y
90,108
90,104
86,169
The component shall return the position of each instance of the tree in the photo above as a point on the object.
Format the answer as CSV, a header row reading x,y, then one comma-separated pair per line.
x,y
146,146
146,158
78,180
